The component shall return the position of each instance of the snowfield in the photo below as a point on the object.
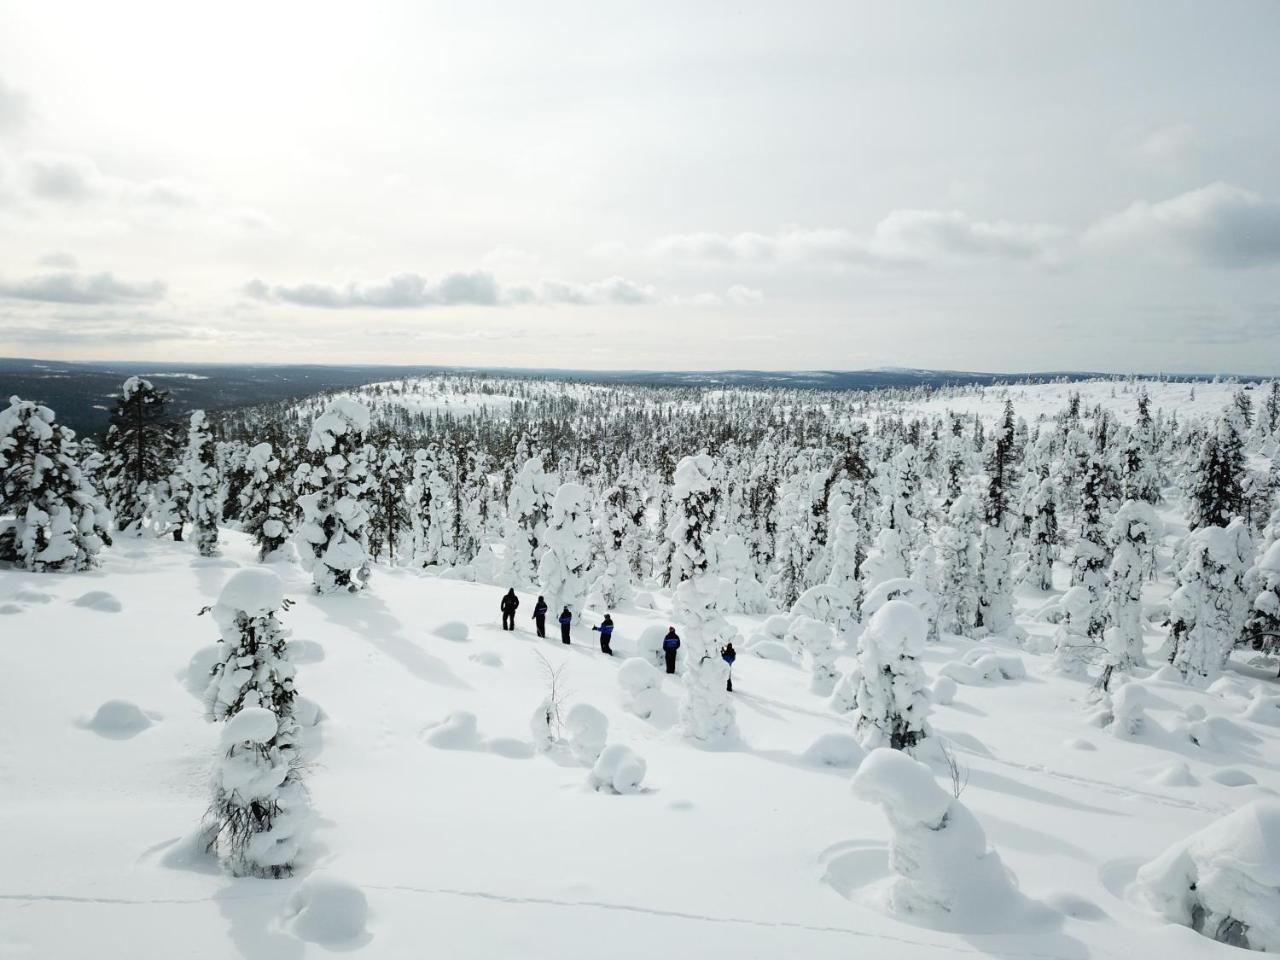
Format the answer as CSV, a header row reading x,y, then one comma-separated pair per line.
x,y
481,848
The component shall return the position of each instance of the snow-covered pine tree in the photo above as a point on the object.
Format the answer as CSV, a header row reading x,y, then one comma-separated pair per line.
x,y
1262,585
956,544
742,592
134,451
1133,539
1217,493
995,594
388,513
200,471
892,698
563,569
1207,612
264,508
1090,554
427,496
259,811
847,556
528,513
706,712
233,468
1042,536
333,535
59,522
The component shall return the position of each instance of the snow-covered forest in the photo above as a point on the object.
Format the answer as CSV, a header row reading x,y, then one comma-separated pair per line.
x,y
911,673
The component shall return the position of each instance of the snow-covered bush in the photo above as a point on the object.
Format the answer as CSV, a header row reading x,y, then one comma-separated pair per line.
x,y
945,873
893,702
834,750
618,769
59,522
640,682
588,731
1073,648
816,641
335,516
1224,881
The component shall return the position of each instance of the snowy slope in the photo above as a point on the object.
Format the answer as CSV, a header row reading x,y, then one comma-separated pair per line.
x,y
491,851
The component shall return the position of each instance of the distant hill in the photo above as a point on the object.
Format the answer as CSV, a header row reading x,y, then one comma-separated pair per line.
x,y
83,393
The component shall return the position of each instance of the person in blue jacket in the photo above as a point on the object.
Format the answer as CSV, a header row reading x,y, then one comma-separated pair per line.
x,y
540,617
566,618
606,634
670,644
728,654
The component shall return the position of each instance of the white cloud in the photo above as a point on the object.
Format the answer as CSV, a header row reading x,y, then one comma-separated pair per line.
x,y
477,288
14,106
743,296
1216,225
84,288
1166,144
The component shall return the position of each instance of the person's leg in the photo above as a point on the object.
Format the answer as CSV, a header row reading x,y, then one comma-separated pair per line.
x,y
671,660
564,633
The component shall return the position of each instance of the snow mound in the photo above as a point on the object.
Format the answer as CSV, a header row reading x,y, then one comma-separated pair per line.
x,y
588,730
256,591
510,747
946,876
251,724
457,731
942,690
453,630
199,669
1075,743
1166,674
1173,774
777,626
1218,733
1230,688
99,600
307,712
486,659
328,911
773,650
1232,777
1223,882
979,667
1262,709
636,675
119,720
1129,710
619,769
306,651
835,750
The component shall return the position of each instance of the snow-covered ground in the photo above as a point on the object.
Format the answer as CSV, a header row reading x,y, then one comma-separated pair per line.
x,y
473,845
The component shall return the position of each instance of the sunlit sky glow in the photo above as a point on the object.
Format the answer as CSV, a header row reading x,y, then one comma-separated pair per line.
x,y
993,186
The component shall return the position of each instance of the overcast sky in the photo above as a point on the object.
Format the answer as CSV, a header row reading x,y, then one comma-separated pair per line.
x,y
690,185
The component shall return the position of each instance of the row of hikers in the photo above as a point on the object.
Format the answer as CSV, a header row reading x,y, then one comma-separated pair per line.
x,y
670,643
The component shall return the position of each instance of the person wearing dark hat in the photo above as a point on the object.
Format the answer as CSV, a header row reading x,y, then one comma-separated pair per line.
x,y
540,617
509,603
566,620
670,644
606,634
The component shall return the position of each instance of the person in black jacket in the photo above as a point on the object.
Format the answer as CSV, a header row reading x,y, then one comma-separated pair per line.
x,y
566,618
606,634
540,617
728,654
670,644
509,603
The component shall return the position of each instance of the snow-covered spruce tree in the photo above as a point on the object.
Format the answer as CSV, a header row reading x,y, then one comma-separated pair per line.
x,y
464,476
1262,585
742,592
134,451
567,558
1133,538
528,513
259,810
892,698
995,594
333,544
886,560
622,528
958,569
1207,612
264,510
816,641
1217,492
59,521
427,496
846,556
706,712
233,468
1090,554
1042,536
388,514
200,471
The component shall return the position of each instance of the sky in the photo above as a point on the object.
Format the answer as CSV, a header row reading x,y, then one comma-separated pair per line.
x,y
1013,186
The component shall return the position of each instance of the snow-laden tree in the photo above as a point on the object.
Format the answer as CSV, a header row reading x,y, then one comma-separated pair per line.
x,y
995,591
428,495
1074,648
134,451
204,488
892,697
1133,536
956,544
1217,493
1262,590
388,513
742,592
622,527
58,521
563,569
886,560
333,535
815,641
706,712
1042,535
847,554
1090,552
1207,612
259,812
528,514
233,468
264,507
